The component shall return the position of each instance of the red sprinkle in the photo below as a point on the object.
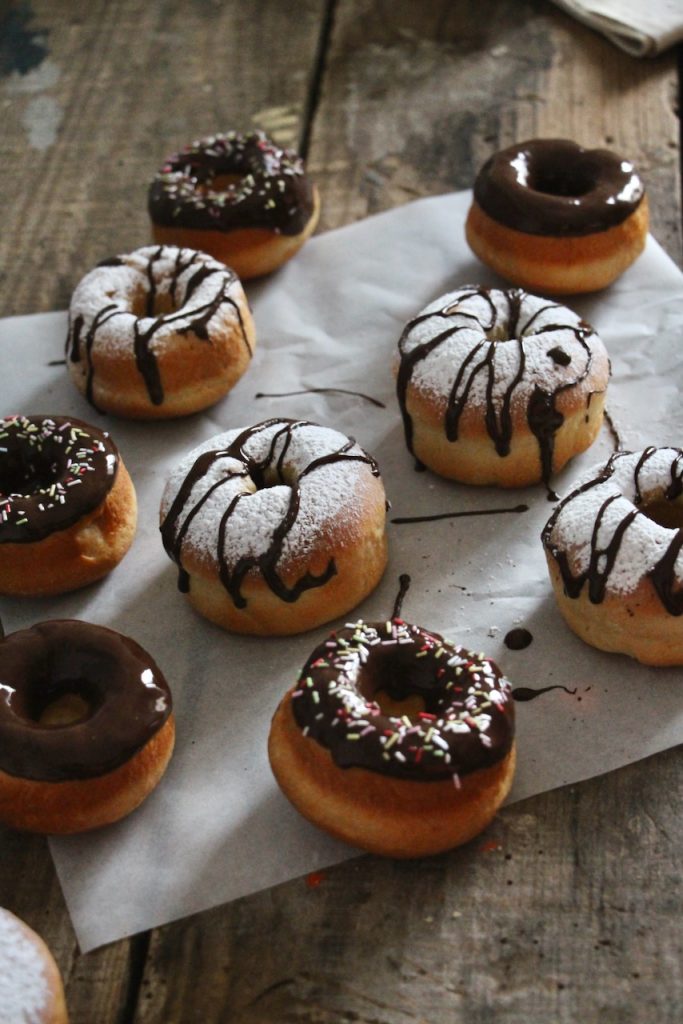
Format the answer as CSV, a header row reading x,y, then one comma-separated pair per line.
x,y
315,879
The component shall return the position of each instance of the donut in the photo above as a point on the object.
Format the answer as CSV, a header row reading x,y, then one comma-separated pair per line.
x,y
499,387
31,989
237,196
553,217
158,333
86,727
395,740
613,548
67,505
276,528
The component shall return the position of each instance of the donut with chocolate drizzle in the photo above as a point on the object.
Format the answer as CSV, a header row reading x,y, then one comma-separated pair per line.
x,y
238,196
499,387
395,740
158,333
68,510
277,527
613,548
554,217
86,726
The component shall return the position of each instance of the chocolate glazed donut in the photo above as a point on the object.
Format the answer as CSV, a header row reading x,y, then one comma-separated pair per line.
x,y
556,218
86,726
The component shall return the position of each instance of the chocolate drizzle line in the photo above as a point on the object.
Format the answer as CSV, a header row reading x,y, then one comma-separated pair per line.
x,y
272,191
79,347
543,417
173,531
53,471
125,691
525,693
468,717
404,585
321,391
552,187
603,554
460,515
616,440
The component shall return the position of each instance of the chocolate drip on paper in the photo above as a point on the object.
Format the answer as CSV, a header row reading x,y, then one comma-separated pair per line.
x,y
543,417
461,515
526,693
321,391
404,585
518,639
603,555
125,691
552,187
145,359
173,531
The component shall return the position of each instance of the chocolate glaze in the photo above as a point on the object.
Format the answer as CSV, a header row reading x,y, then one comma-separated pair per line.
x,y
467,724
177,521
526,693
604,552
518,639
272,190
81,339
54,470
543,417
128,698
553,187
460,515
321,391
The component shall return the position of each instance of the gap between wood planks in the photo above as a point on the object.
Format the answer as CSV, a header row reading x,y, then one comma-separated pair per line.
x,y
315,89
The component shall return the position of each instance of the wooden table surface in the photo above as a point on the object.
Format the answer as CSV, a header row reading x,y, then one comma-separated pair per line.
x,y
570,909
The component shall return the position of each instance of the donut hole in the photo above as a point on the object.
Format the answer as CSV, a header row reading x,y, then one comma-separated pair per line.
x,y
264,477
155,304
558,180
220,183
30,469
398,684
61,703
665,513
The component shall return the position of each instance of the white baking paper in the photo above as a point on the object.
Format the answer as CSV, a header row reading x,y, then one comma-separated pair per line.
x,y
217,827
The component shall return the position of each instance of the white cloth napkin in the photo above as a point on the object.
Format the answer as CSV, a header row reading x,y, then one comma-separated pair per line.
x,y
643,28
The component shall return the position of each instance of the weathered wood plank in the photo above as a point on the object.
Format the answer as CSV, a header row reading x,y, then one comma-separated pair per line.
x,y
417,96
119,86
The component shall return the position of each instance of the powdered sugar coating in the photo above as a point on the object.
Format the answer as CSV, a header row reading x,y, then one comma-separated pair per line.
x,y
600,535
131,284
266,493
24,985
512,334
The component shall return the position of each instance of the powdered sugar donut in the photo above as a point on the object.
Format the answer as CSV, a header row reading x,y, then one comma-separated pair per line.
x,y
499,387
613,548
158,333
31,990
276,528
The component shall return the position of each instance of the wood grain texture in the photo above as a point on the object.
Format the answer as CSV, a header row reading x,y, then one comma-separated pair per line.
x,y
417,96
568,909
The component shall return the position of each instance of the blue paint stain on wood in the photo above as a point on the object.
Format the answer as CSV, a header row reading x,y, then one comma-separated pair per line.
x,y
21,48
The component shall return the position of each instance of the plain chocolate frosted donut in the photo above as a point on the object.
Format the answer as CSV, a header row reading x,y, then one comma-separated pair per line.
x,y
554,217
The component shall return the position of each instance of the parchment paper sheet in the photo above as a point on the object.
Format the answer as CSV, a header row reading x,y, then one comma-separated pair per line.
x,y
217,827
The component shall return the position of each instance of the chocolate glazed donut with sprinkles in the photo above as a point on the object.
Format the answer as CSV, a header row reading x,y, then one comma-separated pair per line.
x,y
68,510
158,333
237,196
396,740
500,387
